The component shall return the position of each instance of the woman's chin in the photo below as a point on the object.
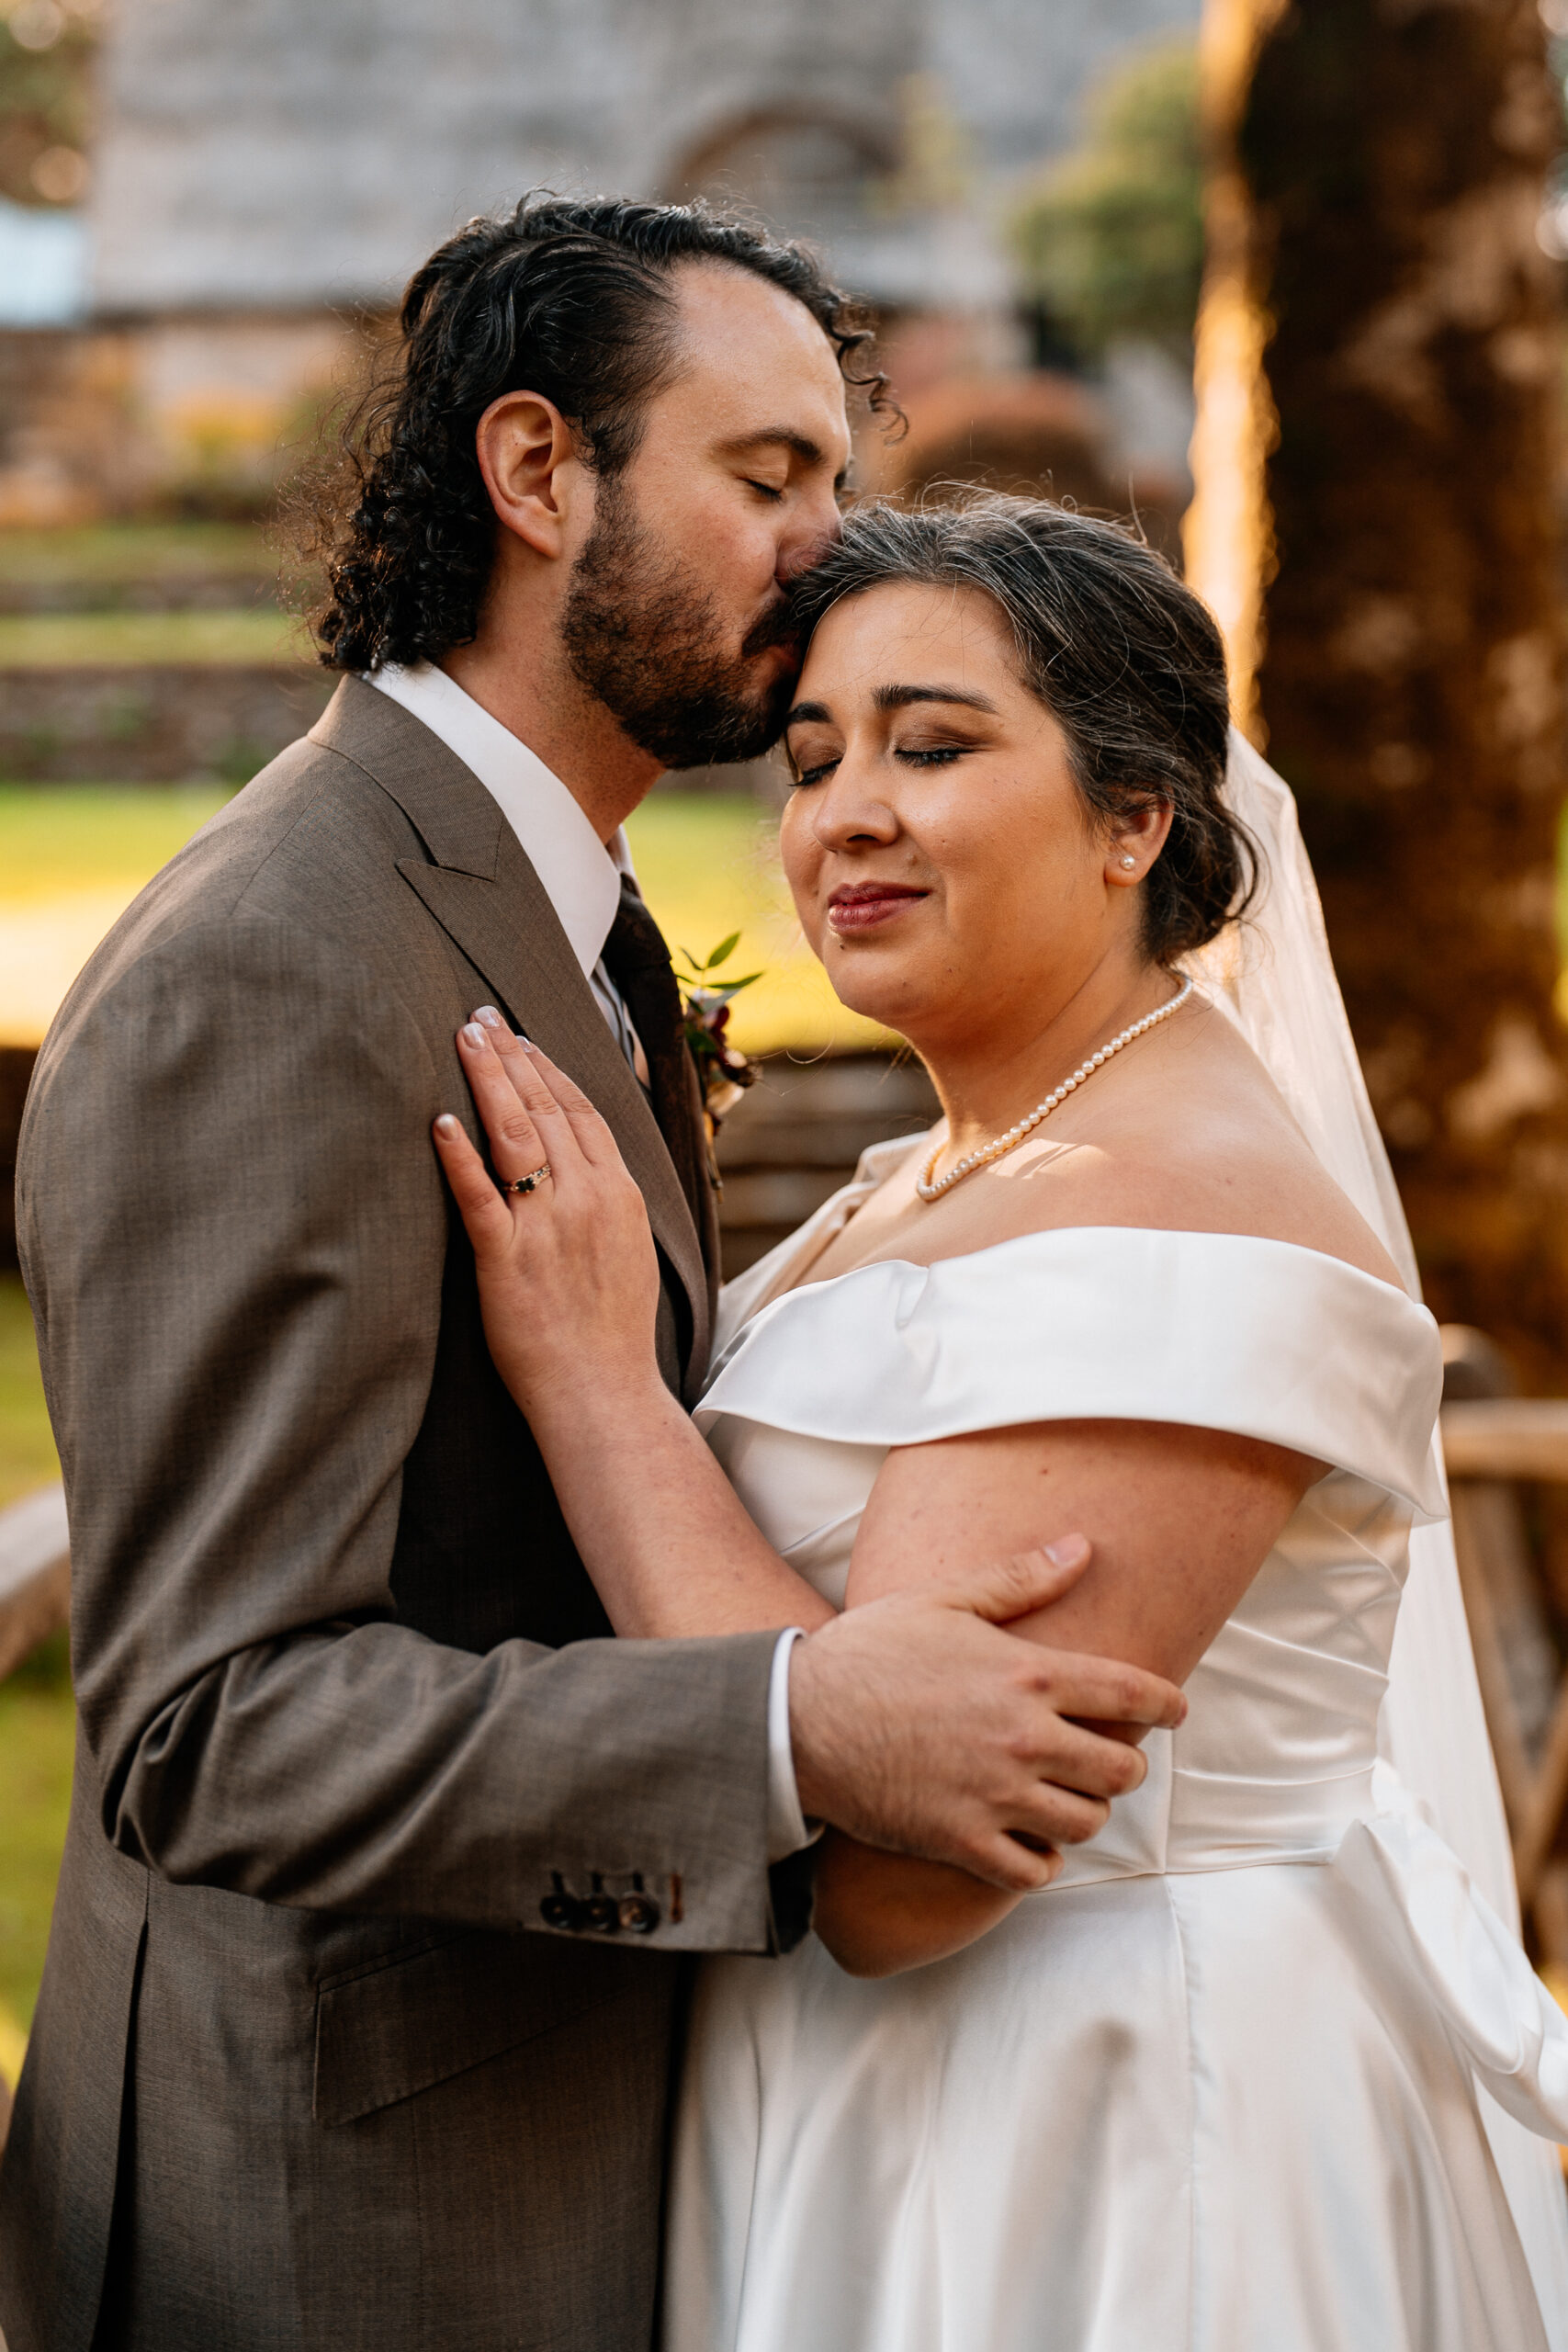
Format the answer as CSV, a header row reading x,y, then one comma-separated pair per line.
x,y
871,996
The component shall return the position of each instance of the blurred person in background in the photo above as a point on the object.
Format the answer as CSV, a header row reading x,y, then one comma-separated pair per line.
x,y
366,1965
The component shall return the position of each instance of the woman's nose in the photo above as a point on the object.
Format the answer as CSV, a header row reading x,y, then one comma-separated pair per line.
x,y
850,809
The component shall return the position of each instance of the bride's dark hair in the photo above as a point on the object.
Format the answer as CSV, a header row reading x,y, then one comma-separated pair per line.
x,y
1127,661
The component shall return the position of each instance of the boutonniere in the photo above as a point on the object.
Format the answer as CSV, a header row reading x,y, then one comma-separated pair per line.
x,y
705,1000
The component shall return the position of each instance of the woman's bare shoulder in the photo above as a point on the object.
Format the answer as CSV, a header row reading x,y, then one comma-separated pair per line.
x,y
1198,1140
1211,1147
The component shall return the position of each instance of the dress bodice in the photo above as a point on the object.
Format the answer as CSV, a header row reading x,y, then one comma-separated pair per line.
x,y
1217,1331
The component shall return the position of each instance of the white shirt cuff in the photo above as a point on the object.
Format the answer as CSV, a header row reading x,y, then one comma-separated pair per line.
x,y
788,1832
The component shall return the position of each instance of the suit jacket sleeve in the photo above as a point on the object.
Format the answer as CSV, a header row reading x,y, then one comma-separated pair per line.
x,y
234,1245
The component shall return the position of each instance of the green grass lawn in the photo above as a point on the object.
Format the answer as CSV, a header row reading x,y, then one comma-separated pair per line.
x,y
59,838
26,1446
101,559
37,1720
37,1729
113,640
72,858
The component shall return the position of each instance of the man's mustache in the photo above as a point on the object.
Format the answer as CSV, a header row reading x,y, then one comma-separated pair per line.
x,y
778,626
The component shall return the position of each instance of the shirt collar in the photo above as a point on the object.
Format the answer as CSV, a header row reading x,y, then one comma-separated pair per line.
x,y
581,877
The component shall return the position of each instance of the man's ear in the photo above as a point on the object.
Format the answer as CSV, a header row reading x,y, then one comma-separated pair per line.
x,y
532,469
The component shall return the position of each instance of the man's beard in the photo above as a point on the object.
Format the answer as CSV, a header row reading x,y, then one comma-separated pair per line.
x,y
646,638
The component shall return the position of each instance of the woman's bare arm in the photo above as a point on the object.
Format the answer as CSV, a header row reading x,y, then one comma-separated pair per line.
x,y
671,1548
916,1724
1181,1519
569,1285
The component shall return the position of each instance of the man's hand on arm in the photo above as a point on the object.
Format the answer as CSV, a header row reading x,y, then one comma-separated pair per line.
x,y
922,1726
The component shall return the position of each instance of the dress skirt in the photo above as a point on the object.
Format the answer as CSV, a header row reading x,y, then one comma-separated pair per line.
x,y
1210,2112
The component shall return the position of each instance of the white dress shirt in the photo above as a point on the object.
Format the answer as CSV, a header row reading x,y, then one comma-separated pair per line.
x,y
581,878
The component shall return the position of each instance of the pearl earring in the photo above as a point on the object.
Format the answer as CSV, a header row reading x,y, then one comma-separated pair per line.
x,y
1129,860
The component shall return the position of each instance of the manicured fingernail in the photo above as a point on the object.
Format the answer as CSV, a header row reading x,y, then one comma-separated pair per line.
x,y
527,1044
1065,1550
489,1015
473,1035
446,1125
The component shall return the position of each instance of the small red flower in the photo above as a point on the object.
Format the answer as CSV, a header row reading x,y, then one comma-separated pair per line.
x,y
725,1073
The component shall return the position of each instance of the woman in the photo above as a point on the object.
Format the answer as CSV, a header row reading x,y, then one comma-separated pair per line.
x,y
1214,2083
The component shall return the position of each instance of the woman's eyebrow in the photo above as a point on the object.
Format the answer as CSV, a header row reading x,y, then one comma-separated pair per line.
x,y
895,698
900,698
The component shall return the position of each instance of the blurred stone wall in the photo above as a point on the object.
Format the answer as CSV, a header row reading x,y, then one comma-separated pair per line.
x,y
286,154
265,178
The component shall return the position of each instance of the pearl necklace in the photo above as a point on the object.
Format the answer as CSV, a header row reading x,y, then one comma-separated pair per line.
x,y
930,1190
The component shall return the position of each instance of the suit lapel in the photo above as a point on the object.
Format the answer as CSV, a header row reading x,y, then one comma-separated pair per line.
x,y
483,891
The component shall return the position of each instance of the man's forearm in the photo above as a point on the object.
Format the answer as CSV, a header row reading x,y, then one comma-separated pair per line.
x,y
369,1769
242,1388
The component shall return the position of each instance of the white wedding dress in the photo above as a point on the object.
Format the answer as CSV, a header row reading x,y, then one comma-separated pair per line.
x,y
1217,2089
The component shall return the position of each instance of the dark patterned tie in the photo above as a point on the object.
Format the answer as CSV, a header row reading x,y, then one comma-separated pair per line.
x,y
639,962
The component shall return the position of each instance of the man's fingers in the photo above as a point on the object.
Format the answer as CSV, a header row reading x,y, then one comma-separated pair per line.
x,y
1104,1690
1075,1758
481,1206
1018,1869
1007,1589
1052,1816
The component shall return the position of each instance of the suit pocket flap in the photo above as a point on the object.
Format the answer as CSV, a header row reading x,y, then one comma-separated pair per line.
x,y
424,2015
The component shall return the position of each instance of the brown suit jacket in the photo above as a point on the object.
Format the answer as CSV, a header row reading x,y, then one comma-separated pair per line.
x,y
350,1723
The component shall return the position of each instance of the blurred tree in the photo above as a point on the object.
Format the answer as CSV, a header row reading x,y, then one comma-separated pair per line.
x,y
1554,221
1380,173
1110,240
46,49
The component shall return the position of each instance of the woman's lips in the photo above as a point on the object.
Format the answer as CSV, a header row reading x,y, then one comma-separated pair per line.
x,y
863,905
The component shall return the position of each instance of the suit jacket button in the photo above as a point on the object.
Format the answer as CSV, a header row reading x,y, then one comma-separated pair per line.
x,y
639,1914
559,1910
604,1914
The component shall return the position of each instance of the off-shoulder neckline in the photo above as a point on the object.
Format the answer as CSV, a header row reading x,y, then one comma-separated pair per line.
x,y
1062,1232
890,1353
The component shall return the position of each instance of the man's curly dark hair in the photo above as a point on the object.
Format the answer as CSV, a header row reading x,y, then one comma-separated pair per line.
x,y
571,299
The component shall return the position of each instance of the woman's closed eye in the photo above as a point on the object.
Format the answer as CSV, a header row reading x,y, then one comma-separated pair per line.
x,y
812,763
932,755
814,766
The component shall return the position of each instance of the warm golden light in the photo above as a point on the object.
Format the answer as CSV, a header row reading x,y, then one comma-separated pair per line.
x,y
1227,532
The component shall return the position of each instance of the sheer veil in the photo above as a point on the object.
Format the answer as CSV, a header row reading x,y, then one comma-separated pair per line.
x,y
1272,974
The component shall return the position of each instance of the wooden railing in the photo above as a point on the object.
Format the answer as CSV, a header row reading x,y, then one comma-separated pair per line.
x,y
1496,1448
35,1575
796,1135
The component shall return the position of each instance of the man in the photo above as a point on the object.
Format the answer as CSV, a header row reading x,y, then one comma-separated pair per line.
x,y
357,2020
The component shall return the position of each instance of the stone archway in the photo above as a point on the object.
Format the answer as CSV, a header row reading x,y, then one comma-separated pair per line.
x,y
803,166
